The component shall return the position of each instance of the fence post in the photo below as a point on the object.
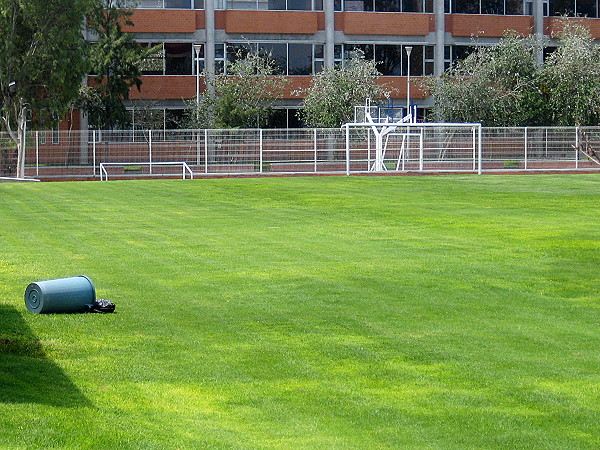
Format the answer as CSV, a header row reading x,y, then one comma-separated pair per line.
x,y
347,150
577,147
37,153
94,151
480,142
315,146
473,142
205,151
526,146
260,150
421,150
198,147
150,149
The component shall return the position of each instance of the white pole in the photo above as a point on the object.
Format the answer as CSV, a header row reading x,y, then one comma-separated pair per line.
x,y
197,48
260,149
347,150
474,143
421,151
37,153
150,149
315,147
526,145
408,49
23,144
205,151
577,147
480,149
94,151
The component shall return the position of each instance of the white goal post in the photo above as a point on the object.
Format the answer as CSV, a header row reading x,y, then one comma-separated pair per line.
x,y
376,121
184,167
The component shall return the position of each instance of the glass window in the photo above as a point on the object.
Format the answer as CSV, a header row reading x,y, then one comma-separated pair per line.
x,y
178,4
277,54
154,64
492,7
358,5
514,7
300,59
219,58
178,59
242,4
198,4
465,6
412,5
563,7
429,59
389,59
277,5
151,4
587,8
389,5
299,5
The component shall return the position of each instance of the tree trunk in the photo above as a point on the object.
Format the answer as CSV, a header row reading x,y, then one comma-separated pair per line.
x,y
19,135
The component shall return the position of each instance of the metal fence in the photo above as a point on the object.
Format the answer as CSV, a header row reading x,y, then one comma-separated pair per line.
x,y
78,154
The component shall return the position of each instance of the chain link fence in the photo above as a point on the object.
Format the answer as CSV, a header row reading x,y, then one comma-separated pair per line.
x,y
79,154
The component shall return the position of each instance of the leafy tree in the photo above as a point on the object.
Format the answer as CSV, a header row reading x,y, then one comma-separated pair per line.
x,y
115,60
493,85
243,97
335,91
570,79
502,85
41,62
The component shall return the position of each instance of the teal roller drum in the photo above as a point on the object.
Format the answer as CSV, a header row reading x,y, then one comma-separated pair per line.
x,y
63,295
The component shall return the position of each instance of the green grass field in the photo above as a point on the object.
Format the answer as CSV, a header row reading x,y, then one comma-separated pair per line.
x,y
344,312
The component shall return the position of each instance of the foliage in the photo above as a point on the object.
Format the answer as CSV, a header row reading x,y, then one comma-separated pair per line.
x,y
116,61
335,91
243,97
502,85
490,86
570,79
41,60
333,312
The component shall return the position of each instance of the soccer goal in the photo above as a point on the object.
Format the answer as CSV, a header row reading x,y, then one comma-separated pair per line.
x,y
136,168
380,139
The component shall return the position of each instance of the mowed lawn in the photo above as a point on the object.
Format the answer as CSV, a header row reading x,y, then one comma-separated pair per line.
x,y
344,312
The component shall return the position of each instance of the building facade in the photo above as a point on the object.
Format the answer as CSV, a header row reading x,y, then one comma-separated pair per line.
x,y
303,36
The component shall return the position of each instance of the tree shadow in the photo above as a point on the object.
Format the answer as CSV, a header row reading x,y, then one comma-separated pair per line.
x,y
27,375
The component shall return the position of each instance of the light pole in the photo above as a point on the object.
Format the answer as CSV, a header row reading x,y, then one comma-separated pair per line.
x,y
408,49
197,50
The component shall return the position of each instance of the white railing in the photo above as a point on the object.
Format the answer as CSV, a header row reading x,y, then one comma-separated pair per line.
x,y
437,148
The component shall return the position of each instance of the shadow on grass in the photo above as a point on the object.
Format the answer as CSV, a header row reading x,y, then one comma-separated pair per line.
x,y
26,374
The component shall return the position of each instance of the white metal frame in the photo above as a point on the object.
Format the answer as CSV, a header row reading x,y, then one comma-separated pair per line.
x,y
384,127
184,167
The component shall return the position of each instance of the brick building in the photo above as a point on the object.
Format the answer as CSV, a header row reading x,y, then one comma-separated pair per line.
x,y
305,35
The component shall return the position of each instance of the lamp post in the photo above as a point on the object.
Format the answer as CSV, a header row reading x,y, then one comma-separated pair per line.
x,y
408,49
197,50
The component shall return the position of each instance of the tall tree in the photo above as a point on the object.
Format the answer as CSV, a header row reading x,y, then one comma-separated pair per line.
x,y
243,97
335,91
115,59
41,62
501,85
570,78
492,85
